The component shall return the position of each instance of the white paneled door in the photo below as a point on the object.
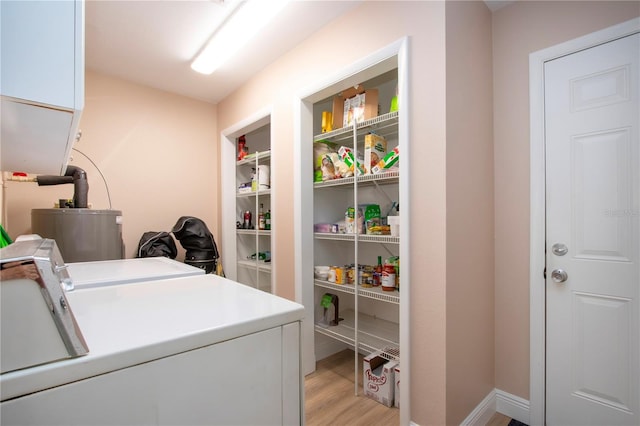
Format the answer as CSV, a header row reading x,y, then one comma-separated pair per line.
x,y
592,233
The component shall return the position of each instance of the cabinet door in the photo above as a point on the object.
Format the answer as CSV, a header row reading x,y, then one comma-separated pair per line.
x,y
39,54
292,379
42,148
239,381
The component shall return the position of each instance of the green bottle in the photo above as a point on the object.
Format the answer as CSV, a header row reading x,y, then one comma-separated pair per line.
x,y
267,220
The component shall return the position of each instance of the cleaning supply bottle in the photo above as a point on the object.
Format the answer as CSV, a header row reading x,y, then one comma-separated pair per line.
x,y
261,219
254,180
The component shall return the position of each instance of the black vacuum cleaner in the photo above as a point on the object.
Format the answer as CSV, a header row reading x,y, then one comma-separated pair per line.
x,y
198,241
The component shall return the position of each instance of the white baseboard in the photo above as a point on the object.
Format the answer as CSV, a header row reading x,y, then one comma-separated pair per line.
x,y
512,406
501,402
483,412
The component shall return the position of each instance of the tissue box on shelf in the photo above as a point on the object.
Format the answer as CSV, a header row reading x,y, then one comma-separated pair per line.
x,y
375,149
378,378
354,104
323,227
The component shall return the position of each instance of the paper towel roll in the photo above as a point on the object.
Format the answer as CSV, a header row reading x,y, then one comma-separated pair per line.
x,y
263,177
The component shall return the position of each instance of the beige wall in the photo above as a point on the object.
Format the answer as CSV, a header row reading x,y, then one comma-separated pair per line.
x,y
519,30
470,296
139,138
156,150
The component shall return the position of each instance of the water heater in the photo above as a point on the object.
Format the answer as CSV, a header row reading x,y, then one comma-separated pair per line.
x,y
82,235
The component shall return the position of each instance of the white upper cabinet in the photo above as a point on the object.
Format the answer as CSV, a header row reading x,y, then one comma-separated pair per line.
x,y
42,83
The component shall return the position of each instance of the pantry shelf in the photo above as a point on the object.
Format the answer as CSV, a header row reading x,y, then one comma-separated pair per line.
x,y
372,293
265,233
251,158
363,238
367,203
252,264
247,207
374,334
390,177
253,193
385,125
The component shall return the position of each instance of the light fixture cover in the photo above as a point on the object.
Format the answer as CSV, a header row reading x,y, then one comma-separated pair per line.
x,y
249,18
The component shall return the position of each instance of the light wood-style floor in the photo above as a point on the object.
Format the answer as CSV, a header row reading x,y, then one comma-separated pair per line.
x,y
330,397
499,420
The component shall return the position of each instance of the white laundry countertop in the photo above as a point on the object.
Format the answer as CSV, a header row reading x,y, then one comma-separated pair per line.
x,y
124,271
126,325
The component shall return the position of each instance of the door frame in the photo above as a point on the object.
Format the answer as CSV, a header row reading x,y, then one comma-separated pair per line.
x,y
384,59
537,293
228,153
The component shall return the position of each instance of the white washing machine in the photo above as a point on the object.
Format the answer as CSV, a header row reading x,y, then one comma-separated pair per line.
x,y
185,350
126,271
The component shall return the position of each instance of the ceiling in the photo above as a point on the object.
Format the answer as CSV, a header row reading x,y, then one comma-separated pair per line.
x,y
152,42
494,5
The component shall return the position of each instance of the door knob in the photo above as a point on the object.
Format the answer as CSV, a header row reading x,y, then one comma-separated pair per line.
x,y
559,249
559,275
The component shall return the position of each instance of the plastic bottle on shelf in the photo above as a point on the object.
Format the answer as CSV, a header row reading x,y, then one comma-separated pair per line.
x,y
388,277
377,274
394,102
254,180
241,147
261,218
267,220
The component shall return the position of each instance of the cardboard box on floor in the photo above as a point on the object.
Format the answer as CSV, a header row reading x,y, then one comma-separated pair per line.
x,y
354,97
378,378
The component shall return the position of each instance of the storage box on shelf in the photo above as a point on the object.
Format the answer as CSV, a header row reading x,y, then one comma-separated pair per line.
x,y
375,149
354,105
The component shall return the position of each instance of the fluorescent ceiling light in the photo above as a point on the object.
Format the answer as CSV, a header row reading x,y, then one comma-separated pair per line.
x,y
245,22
